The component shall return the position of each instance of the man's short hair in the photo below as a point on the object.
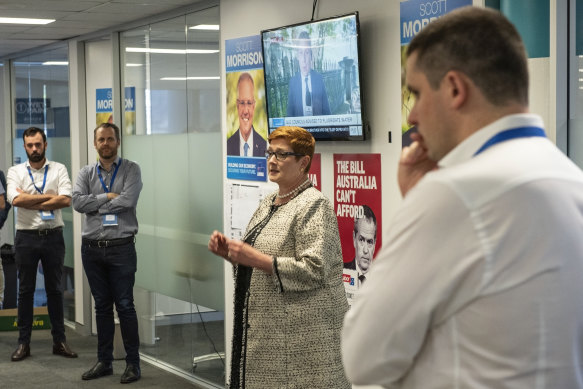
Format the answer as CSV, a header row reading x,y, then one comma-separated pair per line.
x,y
107,125
480,43
245,77
32,131
368,214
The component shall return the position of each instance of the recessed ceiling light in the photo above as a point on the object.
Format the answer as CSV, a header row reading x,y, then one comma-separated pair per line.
x,y
169,51
25,21
214,27
190,78
58,63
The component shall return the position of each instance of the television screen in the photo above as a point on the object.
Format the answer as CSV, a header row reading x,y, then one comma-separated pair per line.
x,y
312,77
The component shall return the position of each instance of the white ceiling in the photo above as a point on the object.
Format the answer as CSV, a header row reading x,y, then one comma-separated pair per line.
x,y
73,18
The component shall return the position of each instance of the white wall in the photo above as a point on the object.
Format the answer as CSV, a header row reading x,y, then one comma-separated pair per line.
x,y
381,83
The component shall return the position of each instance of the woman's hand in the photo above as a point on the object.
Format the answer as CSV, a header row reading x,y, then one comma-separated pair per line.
x,y
218,245
240,252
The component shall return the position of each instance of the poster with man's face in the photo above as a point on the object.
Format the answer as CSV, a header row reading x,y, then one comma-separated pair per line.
x,y
246,138
358,206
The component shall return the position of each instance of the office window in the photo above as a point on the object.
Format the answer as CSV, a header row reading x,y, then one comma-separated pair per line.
x,y
40,98
171,127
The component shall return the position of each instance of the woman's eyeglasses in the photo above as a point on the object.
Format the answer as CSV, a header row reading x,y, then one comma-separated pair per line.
x,y
281,155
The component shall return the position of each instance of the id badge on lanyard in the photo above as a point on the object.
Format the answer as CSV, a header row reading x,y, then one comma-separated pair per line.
x,y
44,215
110,219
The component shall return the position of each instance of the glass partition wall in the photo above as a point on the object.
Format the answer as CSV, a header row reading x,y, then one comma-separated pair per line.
x,y
40,92
171,127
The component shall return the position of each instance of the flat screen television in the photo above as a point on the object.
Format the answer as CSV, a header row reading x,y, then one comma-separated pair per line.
x,y
312,77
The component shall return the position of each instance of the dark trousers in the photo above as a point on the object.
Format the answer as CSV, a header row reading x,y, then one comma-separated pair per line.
x,y
49,249
111,274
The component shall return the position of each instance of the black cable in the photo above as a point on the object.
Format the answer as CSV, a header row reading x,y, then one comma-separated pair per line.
x,y
208,336
314,9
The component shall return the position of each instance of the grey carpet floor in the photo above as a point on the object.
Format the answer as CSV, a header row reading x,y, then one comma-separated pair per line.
x,y
45,370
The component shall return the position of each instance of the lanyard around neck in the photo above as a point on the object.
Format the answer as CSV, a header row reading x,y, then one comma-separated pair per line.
x,y
520,132
105,188
42,189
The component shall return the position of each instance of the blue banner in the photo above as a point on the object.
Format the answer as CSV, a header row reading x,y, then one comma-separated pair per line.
x,y
103,100
130,99
416,14
247,168
243,54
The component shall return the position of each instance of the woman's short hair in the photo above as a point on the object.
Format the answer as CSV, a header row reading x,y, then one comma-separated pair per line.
x,y
301,141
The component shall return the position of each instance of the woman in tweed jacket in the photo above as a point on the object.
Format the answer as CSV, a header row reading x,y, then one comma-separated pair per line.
x,y
289,296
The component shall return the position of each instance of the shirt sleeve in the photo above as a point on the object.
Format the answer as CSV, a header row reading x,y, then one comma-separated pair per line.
x,y
83,200
317,250
423,274
2,201
12,182
65,186
128,197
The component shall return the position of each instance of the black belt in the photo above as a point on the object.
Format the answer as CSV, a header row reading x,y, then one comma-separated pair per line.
x,y
43,232
109,242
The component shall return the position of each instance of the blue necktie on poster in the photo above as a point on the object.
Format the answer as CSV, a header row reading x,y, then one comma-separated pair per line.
x,y
246,149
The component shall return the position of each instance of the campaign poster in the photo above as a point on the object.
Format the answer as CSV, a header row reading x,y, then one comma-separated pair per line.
x,y
246,138
104,108
358,207
416,14
315,173
129,103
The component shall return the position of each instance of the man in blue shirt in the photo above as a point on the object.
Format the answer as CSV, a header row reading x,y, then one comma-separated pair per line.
x,y
107,193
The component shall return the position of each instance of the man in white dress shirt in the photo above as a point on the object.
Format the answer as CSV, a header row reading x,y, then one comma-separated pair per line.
x,y
39,189
479,282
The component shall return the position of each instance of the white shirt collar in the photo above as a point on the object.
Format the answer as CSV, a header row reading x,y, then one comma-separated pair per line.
x,y
249,142
27,164
468,147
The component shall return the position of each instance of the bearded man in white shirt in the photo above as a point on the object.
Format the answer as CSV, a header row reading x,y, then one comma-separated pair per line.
x,y
39,189
479,283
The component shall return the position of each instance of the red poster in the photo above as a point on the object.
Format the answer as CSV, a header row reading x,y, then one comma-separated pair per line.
x,y
315,173
358,206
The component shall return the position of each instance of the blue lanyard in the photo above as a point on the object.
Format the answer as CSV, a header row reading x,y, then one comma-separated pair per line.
x,y
112,177
41,190
520,132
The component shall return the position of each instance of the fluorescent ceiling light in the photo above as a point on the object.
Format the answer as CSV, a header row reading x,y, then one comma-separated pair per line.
x,y
133,65
25,21
214,27
58,63
190,78
169,51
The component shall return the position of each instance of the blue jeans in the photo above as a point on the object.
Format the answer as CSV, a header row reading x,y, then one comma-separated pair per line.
x,y
49,249
111,274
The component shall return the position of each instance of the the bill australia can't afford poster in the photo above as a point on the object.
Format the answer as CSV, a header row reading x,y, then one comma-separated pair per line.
x,y
246,114
358,206
416,14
